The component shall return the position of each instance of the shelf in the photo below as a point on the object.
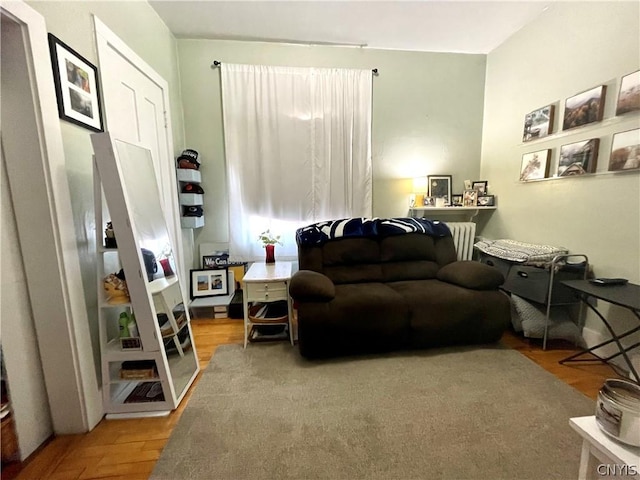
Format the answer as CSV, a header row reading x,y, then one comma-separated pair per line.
x,y
191,199
192,222
586,175
450,209
189,175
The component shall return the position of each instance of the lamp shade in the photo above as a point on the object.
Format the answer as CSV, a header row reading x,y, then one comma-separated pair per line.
x,y
420,185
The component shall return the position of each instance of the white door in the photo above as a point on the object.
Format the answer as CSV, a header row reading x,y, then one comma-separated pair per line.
x,y
136,110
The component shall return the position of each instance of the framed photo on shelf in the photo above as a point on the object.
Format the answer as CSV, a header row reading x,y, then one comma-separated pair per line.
x,y
535,165
486,200
584,108
440,187
429,202
481,186
578,158
539,123
76,83
625,151
470,198
456,200
209,283
629,95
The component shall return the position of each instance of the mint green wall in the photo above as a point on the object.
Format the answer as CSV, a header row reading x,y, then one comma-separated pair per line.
x,y
570,48
427,115
137,24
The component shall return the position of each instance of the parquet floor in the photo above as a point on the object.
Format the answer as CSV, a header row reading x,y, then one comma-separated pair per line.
x,y
128,449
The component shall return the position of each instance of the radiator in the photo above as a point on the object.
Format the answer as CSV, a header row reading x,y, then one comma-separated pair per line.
x,y
464,234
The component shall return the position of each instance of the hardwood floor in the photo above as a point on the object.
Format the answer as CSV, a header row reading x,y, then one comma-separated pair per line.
x,y
128,449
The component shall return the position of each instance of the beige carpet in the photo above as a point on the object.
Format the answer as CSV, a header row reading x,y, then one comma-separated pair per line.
x,y
472,413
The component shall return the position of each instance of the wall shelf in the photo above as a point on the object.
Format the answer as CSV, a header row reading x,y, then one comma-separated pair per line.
x,y
470,211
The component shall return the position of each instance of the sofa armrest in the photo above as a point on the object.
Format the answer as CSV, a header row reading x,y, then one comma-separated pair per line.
x,y
470,274
307,285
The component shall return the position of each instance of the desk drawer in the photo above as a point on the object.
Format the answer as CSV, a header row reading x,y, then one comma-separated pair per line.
x,y
266,292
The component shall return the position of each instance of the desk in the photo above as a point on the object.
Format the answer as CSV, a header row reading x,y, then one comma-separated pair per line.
x,y
625,296
623,459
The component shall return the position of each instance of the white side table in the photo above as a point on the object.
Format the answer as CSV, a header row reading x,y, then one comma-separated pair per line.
x,y
265,283
616,458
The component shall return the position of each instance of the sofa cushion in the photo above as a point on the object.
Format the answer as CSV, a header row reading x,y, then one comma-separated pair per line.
x,y
411,246
470,274
409,270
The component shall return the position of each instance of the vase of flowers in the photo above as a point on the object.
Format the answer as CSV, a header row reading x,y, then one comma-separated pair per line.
x,y
269,242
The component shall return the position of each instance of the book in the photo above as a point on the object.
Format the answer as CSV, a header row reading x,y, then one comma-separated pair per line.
x,y
146,392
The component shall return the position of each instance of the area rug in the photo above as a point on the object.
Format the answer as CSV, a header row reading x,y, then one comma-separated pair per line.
x,y
471,413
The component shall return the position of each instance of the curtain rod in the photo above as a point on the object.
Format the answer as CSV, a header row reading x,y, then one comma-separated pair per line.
x,y
216,63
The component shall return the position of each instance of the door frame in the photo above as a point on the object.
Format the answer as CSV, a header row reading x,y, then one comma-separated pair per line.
x,y
42,191
105,38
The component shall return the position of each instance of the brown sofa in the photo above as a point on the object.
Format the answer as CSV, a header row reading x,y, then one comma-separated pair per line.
x,y
373,287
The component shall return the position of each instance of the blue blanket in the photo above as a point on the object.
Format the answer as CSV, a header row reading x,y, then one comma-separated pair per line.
x,y
321,232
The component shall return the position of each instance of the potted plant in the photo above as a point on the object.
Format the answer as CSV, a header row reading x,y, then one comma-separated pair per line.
x,y
269,242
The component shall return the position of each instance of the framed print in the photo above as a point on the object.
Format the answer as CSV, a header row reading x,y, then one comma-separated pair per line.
x,y
539,123
440,187
481,186
535,165
456,200
625,151
629,95
470,198
578,158
209,283
429,202
486,200
584,108
76,83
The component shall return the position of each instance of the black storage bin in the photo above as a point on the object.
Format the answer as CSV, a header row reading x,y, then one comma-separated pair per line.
x,y
502,265
532,283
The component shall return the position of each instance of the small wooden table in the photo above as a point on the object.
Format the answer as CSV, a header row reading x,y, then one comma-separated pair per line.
x,y
266,283
625,296
618,460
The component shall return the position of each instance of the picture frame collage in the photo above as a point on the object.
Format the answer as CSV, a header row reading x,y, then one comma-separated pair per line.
x,y
439,194
581,157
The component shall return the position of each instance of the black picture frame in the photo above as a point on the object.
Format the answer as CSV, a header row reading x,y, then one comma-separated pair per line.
x,y
77,86
486,201
481,186
210,282
440,186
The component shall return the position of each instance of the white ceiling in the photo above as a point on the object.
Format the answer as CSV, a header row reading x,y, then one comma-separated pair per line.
x,y
435,26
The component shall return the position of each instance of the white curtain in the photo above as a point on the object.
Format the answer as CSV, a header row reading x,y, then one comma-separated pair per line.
x,y
298,151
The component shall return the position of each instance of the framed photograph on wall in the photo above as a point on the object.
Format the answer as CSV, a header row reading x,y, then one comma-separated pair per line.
x,y
76,83
440,187
539,123
625,151
209,283
481,186
578,158
629,95
535,165
470,198
584,108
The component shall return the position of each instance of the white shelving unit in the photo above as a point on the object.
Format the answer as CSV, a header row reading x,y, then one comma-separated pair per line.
x,y
164,356
186,175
